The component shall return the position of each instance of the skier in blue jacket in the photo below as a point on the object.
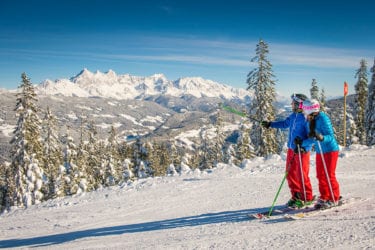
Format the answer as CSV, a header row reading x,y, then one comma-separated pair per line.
x,y
321,135
297,158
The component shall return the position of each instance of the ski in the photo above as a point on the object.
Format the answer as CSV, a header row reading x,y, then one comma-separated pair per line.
x,y
276,212
284,209
265,215
314,211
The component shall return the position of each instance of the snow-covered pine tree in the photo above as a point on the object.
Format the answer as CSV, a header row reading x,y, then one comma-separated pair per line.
x,y
282,138
78,174
95,170
184,167
244,148
218,140
70,163
4,175
175,154
161,159
370,110
139,160
127,173
81,172
151,157
53,158
205,151
230,155
112,159
171,170
260,80
314,91
322,100
361,101
127,168
351,130
193,161
27,150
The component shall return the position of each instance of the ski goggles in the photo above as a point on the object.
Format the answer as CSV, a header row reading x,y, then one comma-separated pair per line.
x,y
297,100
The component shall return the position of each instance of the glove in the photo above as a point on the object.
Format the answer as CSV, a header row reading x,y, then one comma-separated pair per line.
x,y
298,141
319,137
303,150
315,135
265,124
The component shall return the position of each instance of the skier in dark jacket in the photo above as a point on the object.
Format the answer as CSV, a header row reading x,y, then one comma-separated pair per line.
x,y
297,158
321,135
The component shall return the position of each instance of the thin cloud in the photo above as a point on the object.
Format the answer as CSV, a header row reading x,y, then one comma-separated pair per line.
x,y
240,53
209,52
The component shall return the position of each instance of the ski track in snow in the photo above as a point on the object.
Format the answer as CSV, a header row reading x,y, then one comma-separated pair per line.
x,y
201,210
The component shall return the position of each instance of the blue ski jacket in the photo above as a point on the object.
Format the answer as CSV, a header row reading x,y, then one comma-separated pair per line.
x,y
297,125
323,126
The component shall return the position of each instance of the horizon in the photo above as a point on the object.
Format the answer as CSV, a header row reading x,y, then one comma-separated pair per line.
x,y
306,41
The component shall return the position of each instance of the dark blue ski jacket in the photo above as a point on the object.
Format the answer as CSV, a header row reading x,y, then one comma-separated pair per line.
x,y
297,125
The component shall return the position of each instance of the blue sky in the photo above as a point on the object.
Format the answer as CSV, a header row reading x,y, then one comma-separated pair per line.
x,y
323,40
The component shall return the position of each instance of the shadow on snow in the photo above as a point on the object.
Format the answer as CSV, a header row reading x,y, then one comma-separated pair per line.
x,y
190,221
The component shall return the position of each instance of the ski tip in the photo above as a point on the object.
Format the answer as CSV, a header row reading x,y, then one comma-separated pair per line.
x,y
259,216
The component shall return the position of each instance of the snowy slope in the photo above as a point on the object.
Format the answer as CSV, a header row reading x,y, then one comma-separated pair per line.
x,y
201,210
111,85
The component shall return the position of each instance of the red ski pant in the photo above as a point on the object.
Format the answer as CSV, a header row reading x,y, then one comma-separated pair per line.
x,y
330,160
294,177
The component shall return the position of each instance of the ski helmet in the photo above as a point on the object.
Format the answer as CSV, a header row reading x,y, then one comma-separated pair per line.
x,y
310,106
298,97
297,101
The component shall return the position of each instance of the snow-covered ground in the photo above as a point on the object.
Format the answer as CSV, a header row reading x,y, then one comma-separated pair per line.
x,y
201,210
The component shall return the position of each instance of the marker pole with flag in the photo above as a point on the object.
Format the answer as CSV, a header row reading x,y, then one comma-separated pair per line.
x,y
345,94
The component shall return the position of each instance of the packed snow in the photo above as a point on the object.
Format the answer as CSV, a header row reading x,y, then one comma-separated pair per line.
x,y
202,210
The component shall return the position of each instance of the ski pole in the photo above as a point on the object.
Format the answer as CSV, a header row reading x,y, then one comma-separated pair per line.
x,y
281,185
277,194
326,172
242,114
302,175
234,111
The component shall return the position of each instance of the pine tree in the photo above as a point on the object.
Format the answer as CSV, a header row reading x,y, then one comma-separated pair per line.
x,y
174,155
4,176
162,158
127,173
127,166
207,154
351,137
370,110
70,159
139,161
322,100
171,171
52,161
230,154
361,101
95,170
244,148
27,153
112,159
260,80
218,140
314,91
79,173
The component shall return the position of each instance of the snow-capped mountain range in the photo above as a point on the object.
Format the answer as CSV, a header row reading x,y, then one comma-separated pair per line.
x,y
111,85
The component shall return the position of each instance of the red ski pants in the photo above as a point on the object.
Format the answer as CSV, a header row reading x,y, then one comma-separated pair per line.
x,y
330,160
294,176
